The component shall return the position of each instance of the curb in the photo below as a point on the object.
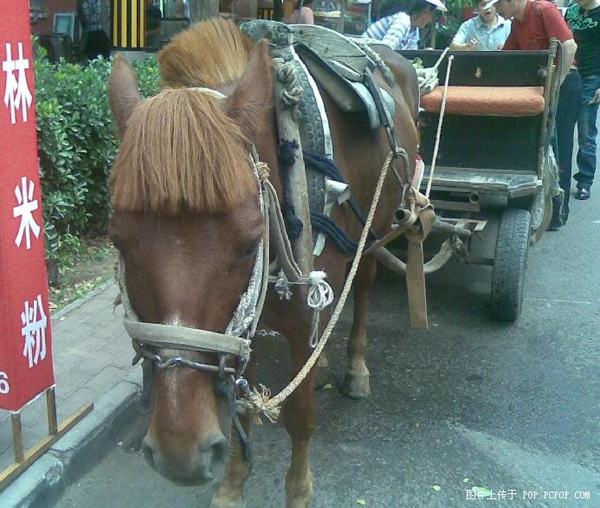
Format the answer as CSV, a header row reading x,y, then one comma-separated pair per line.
x,y
80,301
79,450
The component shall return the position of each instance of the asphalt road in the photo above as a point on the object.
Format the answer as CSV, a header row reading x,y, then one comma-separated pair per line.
x,y
469,403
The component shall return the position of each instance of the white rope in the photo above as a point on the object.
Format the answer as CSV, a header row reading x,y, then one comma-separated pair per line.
x,y
320,294
439,128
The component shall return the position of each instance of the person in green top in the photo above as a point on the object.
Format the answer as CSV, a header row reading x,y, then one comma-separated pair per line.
x,y
583,17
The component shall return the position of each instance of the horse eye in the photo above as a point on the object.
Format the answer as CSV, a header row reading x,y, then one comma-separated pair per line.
x,y
118,242
251,251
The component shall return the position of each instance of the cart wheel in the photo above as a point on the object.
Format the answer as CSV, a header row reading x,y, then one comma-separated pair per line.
x,y
510,260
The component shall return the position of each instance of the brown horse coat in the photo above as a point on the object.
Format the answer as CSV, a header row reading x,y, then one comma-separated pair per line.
x,y
187,224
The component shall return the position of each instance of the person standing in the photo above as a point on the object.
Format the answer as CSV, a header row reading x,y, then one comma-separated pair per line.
x,y
401,30
93,15
487,31
583,16
303,13
534,23
153,25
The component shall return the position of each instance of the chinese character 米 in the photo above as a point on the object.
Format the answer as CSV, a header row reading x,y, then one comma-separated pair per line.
x,y
25,208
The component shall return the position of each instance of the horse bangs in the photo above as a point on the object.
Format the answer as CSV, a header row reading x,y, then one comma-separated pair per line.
x,y
181,151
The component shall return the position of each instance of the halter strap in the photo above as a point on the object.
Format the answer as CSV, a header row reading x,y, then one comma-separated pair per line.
x,y
179,337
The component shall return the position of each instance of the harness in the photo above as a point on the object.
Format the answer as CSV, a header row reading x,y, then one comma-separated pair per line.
x,y
233,347
234,344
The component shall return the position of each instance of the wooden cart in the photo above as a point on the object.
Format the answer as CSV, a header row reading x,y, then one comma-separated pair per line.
x,y
494,172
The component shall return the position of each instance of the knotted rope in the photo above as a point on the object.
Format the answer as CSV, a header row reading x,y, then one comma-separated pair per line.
x,y
365,45
292,91
428,76
261,402
263,171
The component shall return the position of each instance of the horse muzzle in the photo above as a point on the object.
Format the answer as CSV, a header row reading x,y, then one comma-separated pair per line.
x,y
201,466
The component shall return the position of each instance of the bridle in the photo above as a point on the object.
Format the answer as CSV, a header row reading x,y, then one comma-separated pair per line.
x,y
234,344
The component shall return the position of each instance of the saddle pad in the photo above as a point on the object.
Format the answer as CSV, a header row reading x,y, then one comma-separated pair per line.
x,y
487,100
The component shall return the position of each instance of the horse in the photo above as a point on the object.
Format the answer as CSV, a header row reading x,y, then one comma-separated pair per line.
x,y
187,224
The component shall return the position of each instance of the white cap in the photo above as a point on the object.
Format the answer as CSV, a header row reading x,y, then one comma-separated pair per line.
x,y
491,3
439,5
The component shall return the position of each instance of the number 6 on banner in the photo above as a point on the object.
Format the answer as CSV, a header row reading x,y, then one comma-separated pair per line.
x,y
4,386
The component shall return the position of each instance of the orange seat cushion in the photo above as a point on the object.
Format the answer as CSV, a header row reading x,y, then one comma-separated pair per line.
x,y
487,100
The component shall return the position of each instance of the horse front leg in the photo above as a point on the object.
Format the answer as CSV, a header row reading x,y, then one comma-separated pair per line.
x,y
356,381
299,417
230,493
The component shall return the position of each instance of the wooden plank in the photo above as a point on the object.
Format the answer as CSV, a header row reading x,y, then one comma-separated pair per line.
x,y
287,129
455,206
488,68
51,405
512,172
15,469
330,44
17,432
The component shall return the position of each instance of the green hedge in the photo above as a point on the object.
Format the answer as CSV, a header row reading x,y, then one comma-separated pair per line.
x,y
76,145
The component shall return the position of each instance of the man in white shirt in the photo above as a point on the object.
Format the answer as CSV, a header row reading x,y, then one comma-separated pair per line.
x,y
487,31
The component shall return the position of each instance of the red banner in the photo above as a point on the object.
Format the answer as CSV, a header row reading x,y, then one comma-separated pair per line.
x,y
25,336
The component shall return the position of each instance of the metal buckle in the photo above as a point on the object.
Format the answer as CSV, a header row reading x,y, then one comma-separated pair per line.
x,y
222,365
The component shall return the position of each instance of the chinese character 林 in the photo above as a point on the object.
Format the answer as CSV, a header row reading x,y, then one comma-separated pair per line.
x,y
17,95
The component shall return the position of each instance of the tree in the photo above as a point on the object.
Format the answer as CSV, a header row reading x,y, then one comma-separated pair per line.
x,y
201,10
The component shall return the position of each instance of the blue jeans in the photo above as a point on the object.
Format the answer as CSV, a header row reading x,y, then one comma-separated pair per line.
x,y
586,156
567,111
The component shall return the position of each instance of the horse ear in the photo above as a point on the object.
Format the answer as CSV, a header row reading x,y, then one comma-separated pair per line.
x,y
123,92
252,97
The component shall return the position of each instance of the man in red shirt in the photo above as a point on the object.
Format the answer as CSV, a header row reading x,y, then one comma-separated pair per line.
x,y
534,23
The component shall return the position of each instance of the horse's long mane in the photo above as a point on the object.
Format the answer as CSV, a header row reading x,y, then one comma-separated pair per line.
x,y
181,149
210,54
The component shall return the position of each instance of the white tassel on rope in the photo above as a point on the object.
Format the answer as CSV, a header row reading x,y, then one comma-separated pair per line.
x,y
320,294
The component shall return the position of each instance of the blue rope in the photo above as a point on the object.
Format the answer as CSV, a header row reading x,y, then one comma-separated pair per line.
x,y
326,225
286,154
328,168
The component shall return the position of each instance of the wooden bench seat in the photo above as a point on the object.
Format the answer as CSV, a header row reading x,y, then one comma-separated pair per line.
x,y
487,100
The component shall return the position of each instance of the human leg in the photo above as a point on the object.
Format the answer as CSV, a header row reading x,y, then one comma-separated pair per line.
x,y
586,155
566,118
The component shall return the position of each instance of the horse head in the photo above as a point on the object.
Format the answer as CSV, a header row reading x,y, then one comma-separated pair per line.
x,y
187,224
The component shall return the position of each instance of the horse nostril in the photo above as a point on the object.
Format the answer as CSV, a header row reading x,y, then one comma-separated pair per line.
x,y
215,453
219,451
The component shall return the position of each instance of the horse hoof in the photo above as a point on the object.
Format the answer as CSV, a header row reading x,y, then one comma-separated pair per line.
x,y
297,503
322,377
227,502
356,386
298,493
